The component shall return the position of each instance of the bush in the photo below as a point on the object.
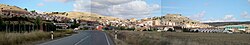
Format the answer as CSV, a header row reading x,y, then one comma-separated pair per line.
x,y
69,31
75,25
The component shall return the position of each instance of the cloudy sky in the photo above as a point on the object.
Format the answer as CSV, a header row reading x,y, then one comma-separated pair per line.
x,y
201,10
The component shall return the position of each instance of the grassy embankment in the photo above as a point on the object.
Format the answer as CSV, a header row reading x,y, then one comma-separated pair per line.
x,y
28,38
183,38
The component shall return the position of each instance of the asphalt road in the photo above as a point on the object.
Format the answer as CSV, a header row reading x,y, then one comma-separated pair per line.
x,y
89,37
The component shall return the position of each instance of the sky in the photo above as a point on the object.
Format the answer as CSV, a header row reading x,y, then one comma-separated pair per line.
x,y
200,10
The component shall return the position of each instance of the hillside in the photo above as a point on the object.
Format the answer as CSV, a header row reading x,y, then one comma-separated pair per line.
x,y
82,15
178,18
15,9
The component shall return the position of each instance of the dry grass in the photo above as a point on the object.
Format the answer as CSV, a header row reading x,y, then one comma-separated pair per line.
x,y
27,38
173,38
86,16
10,7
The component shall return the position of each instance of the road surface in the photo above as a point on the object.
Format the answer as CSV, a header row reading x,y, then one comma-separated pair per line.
x,y
89,37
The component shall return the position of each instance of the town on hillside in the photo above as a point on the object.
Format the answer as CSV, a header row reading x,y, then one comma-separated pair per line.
x,y
124,22
13,16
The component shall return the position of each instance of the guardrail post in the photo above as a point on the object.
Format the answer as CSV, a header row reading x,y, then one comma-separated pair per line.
x,y
52,36
116,34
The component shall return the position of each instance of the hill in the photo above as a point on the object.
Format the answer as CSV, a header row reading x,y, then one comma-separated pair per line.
x,y
180,20
82,15
13,9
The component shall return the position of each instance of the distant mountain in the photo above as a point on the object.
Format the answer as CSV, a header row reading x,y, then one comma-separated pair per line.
x,y
227,23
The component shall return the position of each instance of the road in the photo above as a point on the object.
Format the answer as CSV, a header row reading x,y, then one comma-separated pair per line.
x,y
89,37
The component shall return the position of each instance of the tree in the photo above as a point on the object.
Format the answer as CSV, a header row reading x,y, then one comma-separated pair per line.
x,y
75,24
26,9
38,22
33,11
67,14
100,17
1,21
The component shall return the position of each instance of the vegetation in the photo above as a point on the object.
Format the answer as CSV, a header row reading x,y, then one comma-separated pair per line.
x,y
175,38
1,21
33,11
28,38
75,24
38,22
125,28
25,9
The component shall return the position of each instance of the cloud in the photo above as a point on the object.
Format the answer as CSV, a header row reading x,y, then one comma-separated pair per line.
x,y
40,4
198,16
226,18
245,14
117,8
59,1
206,4
229,18
248,1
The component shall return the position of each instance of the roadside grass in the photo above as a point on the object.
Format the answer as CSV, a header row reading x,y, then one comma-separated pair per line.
x,y
28,38
178,38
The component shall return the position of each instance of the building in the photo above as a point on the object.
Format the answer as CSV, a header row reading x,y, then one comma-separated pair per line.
x,y
235,28
132,20
156,22
207,30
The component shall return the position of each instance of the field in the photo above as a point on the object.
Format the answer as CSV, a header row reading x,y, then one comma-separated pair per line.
x,y
28,38
181,38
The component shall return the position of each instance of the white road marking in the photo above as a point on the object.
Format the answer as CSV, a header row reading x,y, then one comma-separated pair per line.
x,y
59,39
81,40
107,38
68,37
